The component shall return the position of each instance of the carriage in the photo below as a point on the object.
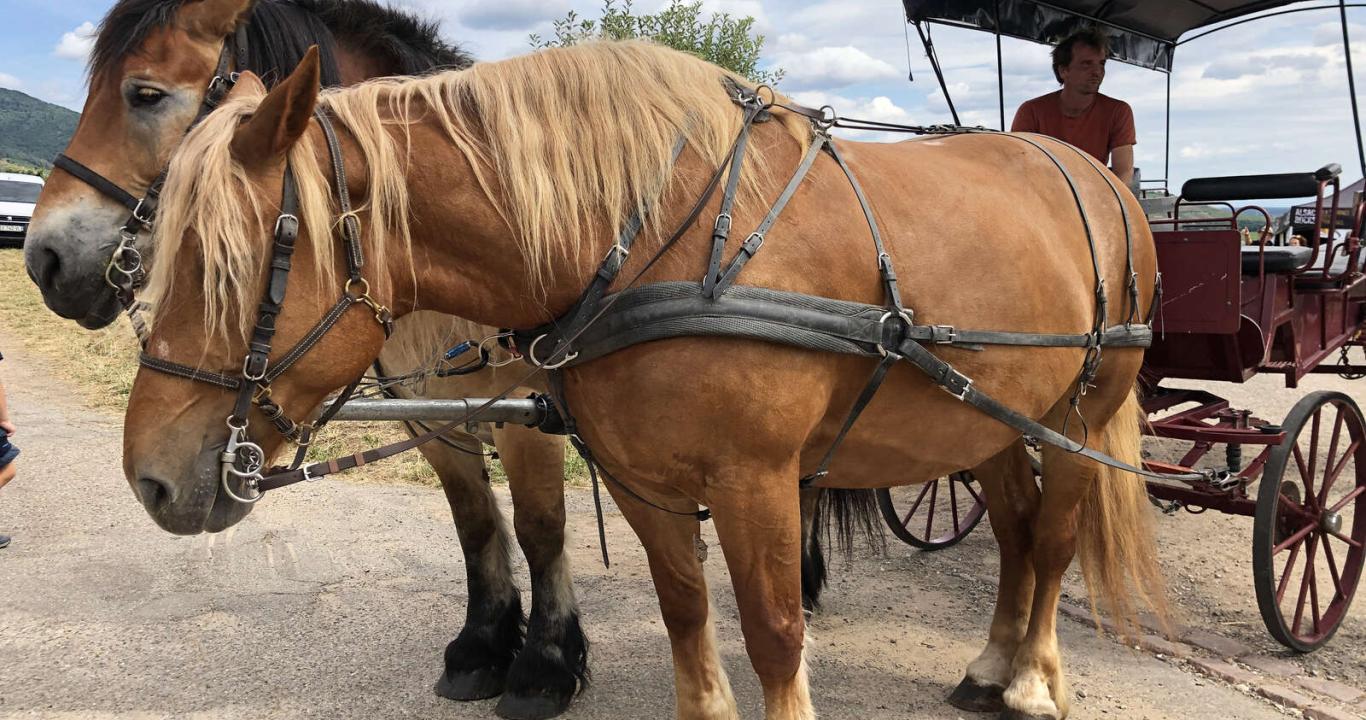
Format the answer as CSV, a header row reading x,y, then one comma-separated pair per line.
x,y
1290,303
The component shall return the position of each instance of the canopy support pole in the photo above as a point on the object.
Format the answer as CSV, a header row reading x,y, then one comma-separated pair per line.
x,y
1167,154
1000,70
1352,86
938,71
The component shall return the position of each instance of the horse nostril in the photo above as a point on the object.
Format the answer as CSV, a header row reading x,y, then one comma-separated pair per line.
x,y
152,492
43,268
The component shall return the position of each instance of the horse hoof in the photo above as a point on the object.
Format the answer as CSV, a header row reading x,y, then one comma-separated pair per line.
x,y
976,697
1010,714
477,684
530,707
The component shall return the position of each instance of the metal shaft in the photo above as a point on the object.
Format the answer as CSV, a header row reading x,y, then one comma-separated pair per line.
x,y
518,412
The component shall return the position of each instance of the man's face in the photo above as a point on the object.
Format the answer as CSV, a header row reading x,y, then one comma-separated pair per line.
x,y
1086,71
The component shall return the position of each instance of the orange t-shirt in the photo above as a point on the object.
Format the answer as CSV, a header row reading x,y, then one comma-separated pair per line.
x,y
1106,125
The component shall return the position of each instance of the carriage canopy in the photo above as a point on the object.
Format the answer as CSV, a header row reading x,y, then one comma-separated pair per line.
x,y
1142,32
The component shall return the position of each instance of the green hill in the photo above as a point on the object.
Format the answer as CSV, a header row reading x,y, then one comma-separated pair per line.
x,y
33,131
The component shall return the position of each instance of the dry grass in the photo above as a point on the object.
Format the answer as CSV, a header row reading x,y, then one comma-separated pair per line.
x,y
100,365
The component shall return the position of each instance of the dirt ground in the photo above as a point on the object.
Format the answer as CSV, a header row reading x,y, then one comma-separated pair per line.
x,y
335,599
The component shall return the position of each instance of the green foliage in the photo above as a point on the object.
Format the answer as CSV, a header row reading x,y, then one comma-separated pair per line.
x,y
721,39
10,166
32,131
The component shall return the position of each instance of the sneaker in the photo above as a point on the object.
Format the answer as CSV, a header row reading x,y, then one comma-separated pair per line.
x,y
4,541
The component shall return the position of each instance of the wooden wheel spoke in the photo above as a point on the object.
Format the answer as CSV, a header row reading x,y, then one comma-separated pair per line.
x,y
1314,600
1333,571
1299,463
975,497
1285,576
906,521
1293,540
1350,497
929,516
1346,539
1332,449
1306,581
953,506
1308,478
1336,470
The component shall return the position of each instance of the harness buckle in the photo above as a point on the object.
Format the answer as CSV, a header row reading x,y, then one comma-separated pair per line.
x,y
144,220
956,384
254,367
279,221
722,225
624,251
943,334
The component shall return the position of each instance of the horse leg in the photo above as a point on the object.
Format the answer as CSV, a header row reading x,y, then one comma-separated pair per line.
x,y
813,555
477,660
758,520
1012,499
1104,513
701,689
553,664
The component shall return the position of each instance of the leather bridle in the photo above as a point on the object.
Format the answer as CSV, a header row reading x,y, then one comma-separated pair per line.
x,y
125,271
242,459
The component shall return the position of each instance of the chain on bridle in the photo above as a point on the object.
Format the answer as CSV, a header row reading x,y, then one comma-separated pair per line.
x,y
125,271
242,459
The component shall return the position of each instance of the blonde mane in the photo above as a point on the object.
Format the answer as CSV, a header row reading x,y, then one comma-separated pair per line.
x,y
563,141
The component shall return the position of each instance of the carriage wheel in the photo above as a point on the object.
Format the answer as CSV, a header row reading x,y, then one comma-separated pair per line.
x,y
935,515
1310,527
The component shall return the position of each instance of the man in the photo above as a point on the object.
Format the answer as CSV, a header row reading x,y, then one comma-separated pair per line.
x,y
1078,113
7,451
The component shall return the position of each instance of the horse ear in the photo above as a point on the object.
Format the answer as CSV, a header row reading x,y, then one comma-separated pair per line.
x,y
282,117
213,20
247,84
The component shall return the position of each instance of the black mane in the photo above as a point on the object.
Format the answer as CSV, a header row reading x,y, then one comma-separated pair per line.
x,y
280,31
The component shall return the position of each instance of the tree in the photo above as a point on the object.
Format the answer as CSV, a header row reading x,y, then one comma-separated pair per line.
x,y
721,39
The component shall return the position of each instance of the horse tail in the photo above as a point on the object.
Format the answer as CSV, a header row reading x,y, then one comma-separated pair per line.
x,y
1115,541
844,516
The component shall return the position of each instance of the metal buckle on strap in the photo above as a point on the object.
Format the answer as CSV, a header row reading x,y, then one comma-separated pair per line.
x,y
145,220
943,334
617,248
957,384
247,365
280,221
722,225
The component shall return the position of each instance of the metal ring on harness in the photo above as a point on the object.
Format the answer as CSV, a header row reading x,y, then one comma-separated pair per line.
x,y
116,264
901,313
531,356
485,352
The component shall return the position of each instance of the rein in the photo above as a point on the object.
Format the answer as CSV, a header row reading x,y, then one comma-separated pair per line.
x,y
125,272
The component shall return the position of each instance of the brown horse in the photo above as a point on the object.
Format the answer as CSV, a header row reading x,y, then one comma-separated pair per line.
x,y
153,61
493,193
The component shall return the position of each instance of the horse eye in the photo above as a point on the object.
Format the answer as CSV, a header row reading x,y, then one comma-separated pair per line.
x,y
147,97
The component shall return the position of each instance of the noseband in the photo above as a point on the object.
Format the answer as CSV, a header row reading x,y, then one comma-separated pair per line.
x,y
125,271
243,460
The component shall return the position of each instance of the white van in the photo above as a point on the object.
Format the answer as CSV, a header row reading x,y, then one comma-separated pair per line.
x,y
18,195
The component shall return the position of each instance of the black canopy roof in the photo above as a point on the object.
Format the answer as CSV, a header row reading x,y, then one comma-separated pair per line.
x,y
1142,32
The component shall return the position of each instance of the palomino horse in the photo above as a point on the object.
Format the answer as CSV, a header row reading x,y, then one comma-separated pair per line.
x,y
495,192
153,61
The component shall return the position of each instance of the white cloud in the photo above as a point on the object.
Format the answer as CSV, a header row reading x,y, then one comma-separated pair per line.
x,y
879,108
10,81
76,45
512,14
832,67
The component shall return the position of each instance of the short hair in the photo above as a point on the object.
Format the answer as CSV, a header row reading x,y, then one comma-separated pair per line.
x,y
1089,36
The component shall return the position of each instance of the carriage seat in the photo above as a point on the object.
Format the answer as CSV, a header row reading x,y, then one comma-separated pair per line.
x,y
1279,258
1258,187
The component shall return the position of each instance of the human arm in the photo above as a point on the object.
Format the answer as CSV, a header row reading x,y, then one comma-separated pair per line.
x,y
5,424
1122,163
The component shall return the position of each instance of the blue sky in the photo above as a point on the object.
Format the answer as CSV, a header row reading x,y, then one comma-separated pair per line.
x,y
1263,97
